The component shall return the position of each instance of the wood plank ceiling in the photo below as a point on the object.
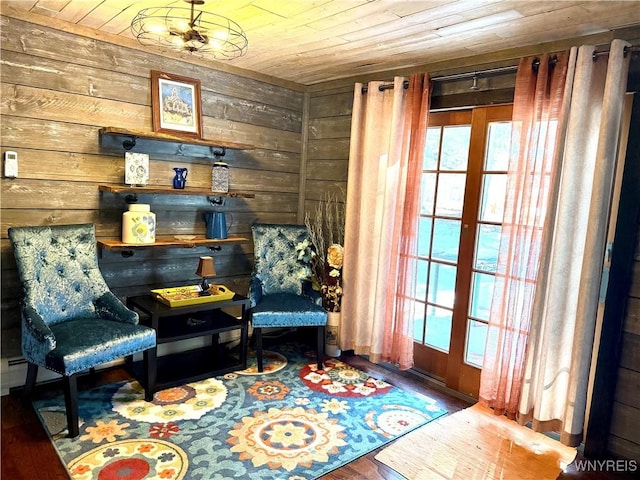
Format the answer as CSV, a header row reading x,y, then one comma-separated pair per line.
x,y
313,41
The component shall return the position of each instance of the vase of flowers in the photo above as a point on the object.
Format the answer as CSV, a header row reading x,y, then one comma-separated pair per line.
x,y
326,272
325,255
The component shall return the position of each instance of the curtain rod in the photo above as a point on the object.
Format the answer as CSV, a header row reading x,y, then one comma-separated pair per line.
x,y
455,76
625,51
494,71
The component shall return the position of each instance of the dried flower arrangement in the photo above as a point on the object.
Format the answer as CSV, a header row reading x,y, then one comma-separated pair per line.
x,y
326,254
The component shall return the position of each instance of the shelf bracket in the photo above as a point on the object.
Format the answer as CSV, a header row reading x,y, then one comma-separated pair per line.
x,y
129,143
126,253
217,201
218,154
131,198
217,248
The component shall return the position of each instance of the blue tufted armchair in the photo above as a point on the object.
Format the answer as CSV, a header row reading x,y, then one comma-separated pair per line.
x,y
70,320
276,288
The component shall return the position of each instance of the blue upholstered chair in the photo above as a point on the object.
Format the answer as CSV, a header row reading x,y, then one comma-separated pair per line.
x,y
71,322
276,288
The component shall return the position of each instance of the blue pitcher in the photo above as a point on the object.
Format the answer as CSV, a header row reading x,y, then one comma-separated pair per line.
x,y
180,179
217,224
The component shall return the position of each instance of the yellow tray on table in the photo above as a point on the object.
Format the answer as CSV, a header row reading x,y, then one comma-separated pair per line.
x,y
190,295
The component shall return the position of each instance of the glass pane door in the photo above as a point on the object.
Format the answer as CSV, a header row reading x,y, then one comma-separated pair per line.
x,y
462,201
489,227
442,199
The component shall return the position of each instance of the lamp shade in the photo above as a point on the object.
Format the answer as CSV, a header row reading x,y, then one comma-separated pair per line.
x,y
206,267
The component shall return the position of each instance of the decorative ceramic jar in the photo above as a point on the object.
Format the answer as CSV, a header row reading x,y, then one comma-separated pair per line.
x,y
139,224
136,168
220,177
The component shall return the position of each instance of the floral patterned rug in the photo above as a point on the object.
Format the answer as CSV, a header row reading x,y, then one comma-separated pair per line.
x,y
292,422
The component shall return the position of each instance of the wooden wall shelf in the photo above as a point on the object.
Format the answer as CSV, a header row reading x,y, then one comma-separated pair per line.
x,y
129,139
171,191
115,244
127,249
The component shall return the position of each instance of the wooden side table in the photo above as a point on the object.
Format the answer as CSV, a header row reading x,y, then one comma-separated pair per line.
x,y
180,323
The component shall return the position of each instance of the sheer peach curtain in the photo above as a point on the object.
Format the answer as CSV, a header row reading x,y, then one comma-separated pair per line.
x,y
536,109
559,357
543,314
388,131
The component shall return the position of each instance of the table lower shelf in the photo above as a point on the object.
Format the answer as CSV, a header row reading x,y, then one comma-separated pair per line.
x,y
191,366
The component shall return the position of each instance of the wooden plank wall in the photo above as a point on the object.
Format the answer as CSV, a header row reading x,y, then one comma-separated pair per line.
x,y
327,150
624,438
58,89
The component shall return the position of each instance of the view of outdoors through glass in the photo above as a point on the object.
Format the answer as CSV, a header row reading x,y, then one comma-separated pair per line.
x,y
444,182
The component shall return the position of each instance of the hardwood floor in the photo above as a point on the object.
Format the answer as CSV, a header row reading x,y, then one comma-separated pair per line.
x,y
27,453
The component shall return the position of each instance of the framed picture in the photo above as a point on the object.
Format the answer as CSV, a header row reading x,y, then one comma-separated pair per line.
x,y
176,103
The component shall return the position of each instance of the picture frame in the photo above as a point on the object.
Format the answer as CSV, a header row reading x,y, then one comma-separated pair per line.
x,y
176,104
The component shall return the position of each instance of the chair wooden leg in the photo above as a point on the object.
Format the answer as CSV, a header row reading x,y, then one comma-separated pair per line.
x,y
93,377
71,404
257,334
128,362
320,347
30,382
149,357
244,340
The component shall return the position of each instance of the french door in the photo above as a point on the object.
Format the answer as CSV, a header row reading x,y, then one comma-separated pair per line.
x,y
462,201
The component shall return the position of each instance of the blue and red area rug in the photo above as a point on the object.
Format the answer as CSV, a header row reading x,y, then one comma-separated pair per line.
x,y
292,422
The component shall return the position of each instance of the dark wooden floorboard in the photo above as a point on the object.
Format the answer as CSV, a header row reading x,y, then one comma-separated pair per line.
x,y
27,453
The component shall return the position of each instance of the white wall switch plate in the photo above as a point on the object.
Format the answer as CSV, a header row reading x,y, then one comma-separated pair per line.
x,y
10,164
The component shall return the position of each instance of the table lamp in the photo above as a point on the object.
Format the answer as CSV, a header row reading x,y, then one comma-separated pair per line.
x,y
206,269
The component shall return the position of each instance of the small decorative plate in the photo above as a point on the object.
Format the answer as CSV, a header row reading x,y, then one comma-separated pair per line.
x,y
184,237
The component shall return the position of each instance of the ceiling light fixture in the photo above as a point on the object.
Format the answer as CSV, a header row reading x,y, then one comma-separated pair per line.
x,y
190,30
